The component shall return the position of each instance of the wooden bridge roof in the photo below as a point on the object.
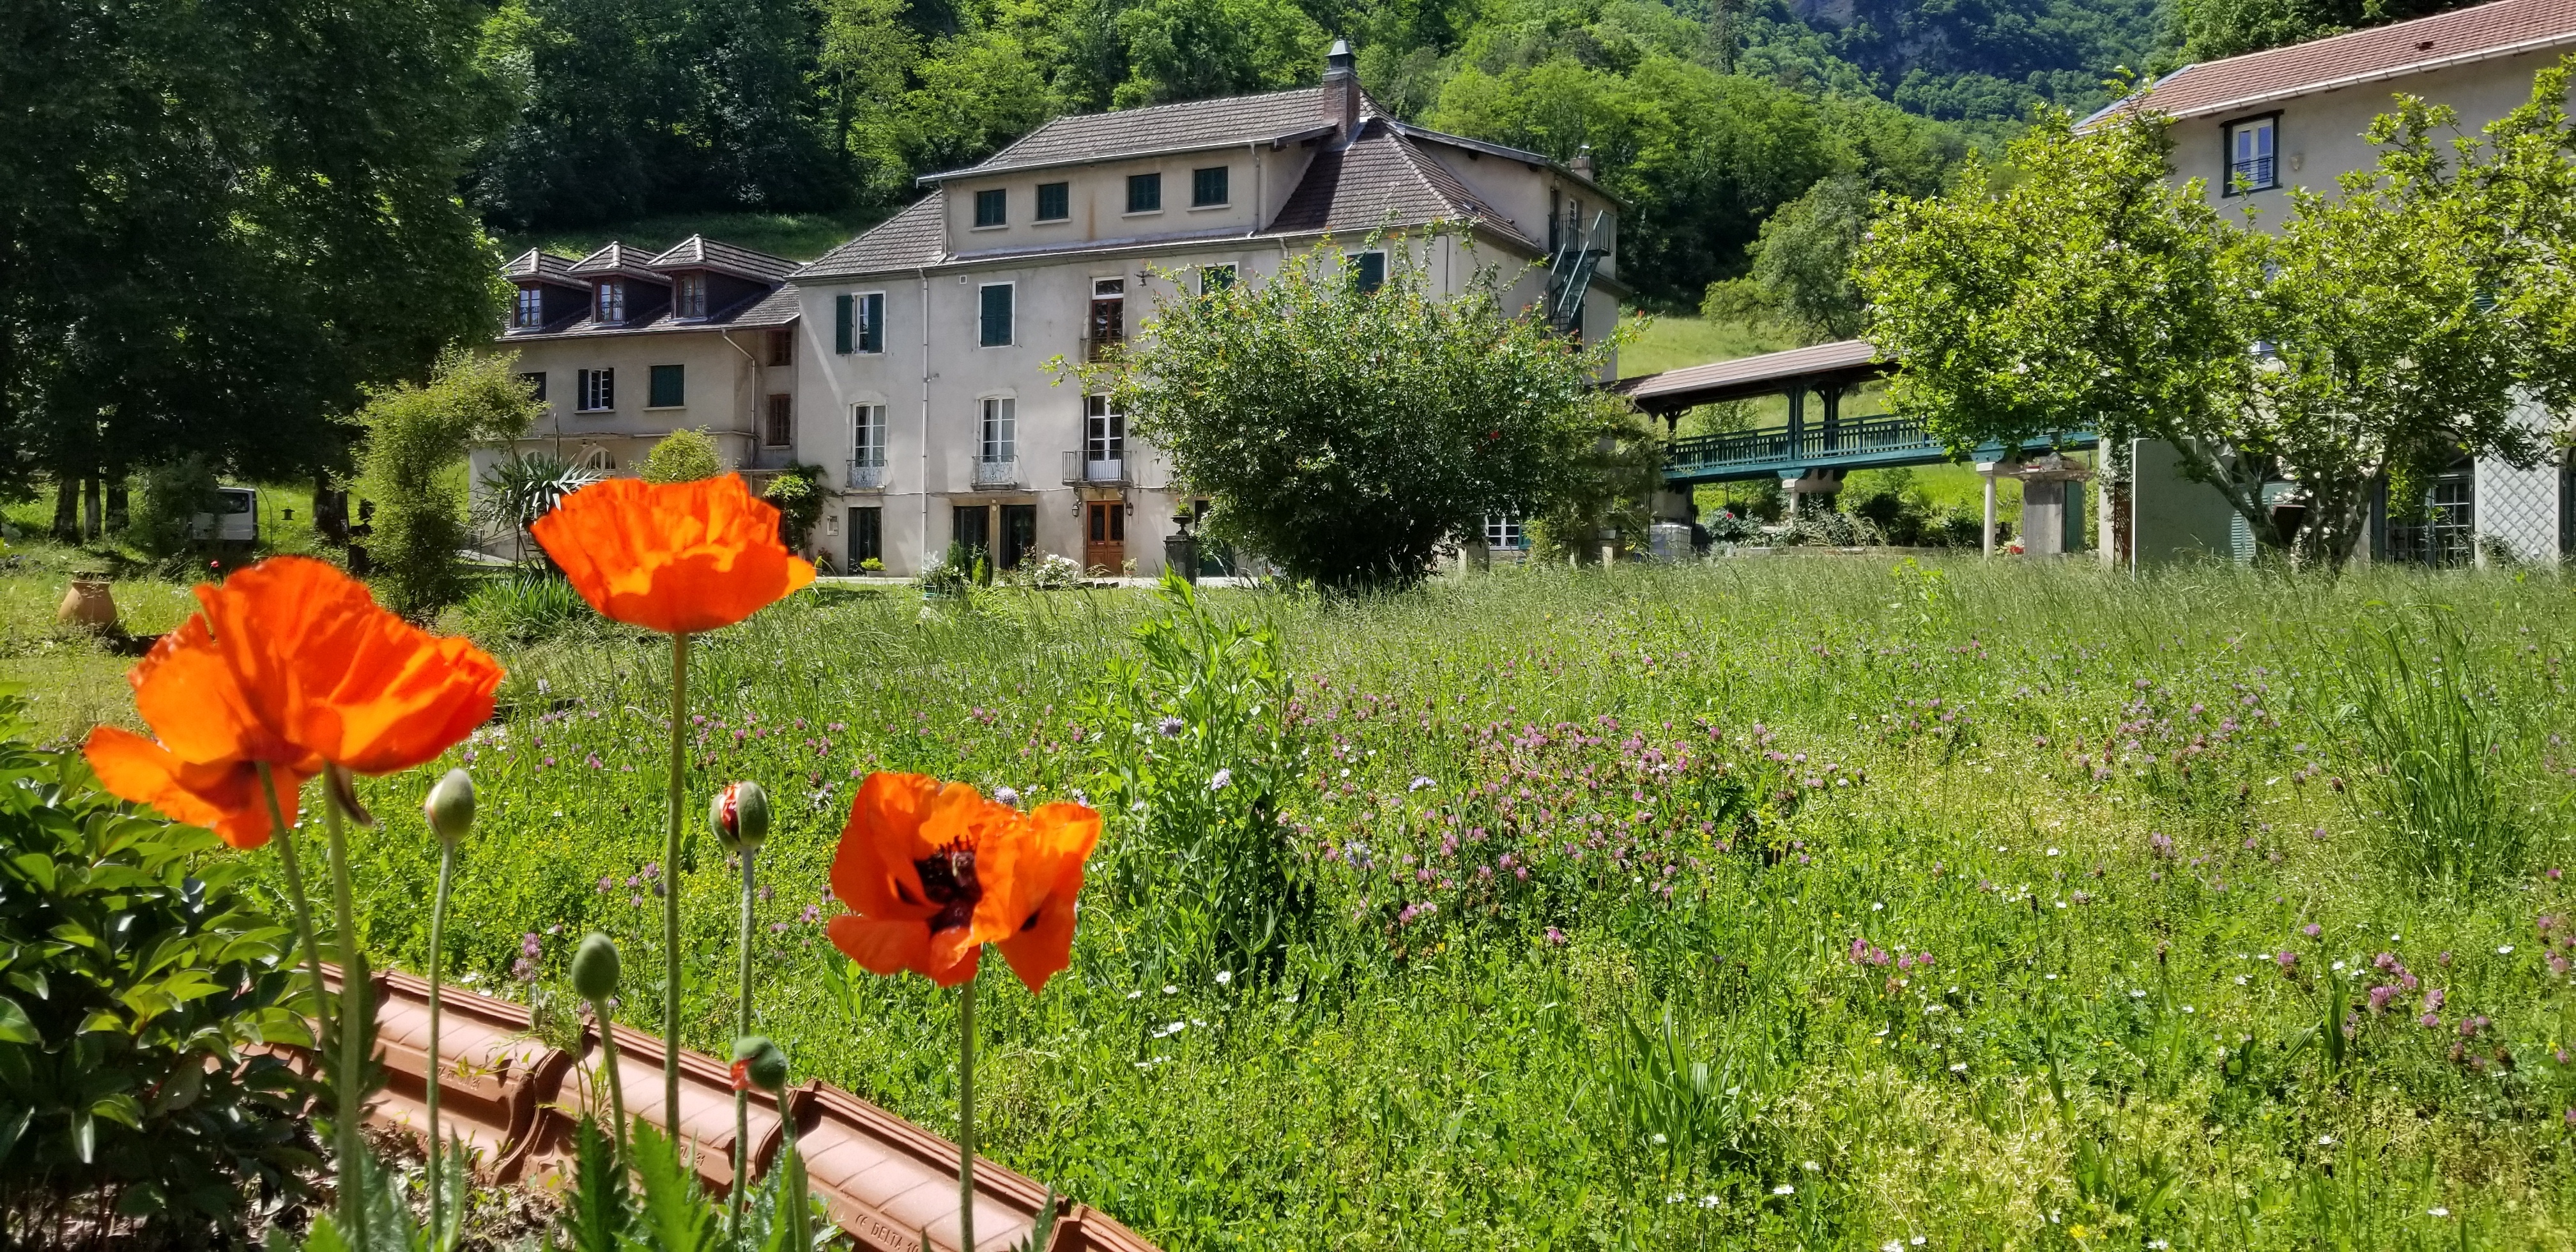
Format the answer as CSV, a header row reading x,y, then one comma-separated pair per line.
x,y
1823,365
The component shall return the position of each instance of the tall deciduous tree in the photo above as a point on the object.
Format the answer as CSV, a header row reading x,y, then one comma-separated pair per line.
x,y
219,222
1346,435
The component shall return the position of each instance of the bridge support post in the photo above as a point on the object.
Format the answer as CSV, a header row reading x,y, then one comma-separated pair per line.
x,y
1987,470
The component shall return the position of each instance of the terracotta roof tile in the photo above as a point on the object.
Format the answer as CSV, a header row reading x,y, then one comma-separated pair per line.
x,y
911,238
1190,125
2503,28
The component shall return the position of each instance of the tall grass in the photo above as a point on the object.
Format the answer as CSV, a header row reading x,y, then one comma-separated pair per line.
x,y
2443,755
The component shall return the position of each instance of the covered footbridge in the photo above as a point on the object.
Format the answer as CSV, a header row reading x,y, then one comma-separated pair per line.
x,y
1814,444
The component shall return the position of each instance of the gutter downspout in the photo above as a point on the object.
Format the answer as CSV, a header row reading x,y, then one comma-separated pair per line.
x,y
923,274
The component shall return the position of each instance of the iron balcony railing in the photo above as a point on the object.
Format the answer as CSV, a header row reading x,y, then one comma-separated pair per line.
x,y
997,472
1780,445
1082,466
867,476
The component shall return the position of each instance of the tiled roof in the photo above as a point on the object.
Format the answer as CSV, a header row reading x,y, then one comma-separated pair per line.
x,y
616,258
1379,179
771,308
1751,375
2487,31
700,252
1193,125
539,264
910,238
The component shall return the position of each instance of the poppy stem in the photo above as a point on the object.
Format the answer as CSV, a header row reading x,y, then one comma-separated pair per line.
x,y
791,1185
671,889
966,1115
616,1085
354,1018
303,907
437,932
742,1098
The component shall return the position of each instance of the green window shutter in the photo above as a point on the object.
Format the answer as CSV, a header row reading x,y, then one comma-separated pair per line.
x,y
841,324
997,315
670,386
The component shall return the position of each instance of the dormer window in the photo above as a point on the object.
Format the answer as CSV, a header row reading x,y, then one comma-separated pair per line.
x,y
530,312
608,303
689,296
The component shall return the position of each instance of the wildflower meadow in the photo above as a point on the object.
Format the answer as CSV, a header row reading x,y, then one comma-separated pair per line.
x,y
1763,904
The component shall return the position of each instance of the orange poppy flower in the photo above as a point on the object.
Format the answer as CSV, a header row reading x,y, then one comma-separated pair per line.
x,y
933,871
291,664
674,557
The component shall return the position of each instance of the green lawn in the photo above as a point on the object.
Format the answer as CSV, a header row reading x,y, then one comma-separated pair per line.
x,y
1671,342
2139,828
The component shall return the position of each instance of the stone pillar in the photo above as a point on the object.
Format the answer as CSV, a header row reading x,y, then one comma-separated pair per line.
x,y
1987,471
2043,518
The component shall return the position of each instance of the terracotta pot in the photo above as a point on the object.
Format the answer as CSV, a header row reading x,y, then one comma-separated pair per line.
x,y
88,604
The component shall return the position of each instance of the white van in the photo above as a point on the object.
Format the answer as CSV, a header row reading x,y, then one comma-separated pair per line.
x,y
234,521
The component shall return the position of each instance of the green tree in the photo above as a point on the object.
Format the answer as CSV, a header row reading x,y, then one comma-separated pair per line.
x,y
220,223
1347,436
1801,272
683,456
417,438
1193,49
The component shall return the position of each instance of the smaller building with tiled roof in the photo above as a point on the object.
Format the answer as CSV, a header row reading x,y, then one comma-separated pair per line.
x,y
627,344
2250,127
936,337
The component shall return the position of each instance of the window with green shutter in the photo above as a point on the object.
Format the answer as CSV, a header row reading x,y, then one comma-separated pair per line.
x,y
670,387
1368,271
996,320
992,208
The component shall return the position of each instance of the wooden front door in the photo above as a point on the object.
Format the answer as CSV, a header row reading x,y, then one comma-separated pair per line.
x,y
1104,536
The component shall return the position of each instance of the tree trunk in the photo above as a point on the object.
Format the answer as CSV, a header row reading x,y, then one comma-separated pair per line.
x,y
93,521
66,508
2241,481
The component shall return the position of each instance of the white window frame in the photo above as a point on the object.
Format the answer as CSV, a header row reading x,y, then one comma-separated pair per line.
x,y
592,385
867,420
689,296
997,427
607,298
1504,531
1104,430
2267,124
531,308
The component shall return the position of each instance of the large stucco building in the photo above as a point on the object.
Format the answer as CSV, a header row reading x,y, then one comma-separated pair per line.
x,y
2253,127
914,363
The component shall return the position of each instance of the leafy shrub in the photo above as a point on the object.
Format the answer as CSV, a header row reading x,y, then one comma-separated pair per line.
x,y
798,493
522,487
1194,762
416,436
961,567
173,494
1052,572
137,981
683,456
524,608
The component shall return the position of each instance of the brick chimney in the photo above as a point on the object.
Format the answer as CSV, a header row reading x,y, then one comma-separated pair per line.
x,y
1342,89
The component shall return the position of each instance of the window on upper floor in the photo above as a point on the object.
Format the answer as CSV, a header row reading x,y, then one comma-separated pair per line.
x,y
1207,188
858,322
530,311
1215,278
1055,201
608,303
2252,154
868,434
780,429
992,208
993,315
536,385
1144,193
1108,326
670,387
782,347
689,296
1368,271
1104,430
595,391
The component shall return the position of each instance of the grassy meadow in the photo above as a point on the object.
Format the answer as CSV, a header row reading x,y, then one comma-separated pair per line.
x,y
1816,903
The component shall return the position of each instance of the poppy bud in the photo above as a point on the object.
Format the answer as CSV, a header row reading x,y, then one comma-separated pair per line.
x,y
594,968
740,815
757,1059
450,806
